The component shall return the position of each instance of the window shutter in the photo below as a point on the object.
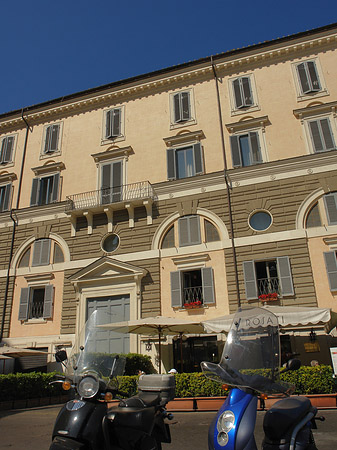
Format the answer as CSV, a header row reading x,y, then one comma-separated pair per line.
x,y
108,122
250,279
237,93
116,128
302,75
316,136
207,285
6,197
185,106
194,229
247,92
176,106
48,301
55,188
183,231
41,253
54,138
171,164
315,84
331,267
285,278
34,199
24,304
330,202
6,149
236,154
47,139
176,289
198,162
255,147
327,134
117,181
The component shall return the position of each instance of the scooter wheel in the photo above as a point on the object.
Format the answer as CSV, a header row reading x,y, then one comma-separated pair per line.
x,y
312,445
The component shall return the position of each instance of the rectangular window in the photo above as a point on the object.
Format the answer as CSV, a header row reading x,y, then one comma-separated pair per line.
x,y
181,107
243,95
41,252
331,268
330,203
113,123
5,197
268,277
36,302
192,288
321,135
184,162
52,138
246,150
308,77
111,182
7,147
189,230
45,190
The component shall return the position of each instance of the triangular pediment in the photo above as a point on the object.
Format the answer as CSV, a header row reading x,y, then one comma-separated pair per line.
x,y
107,268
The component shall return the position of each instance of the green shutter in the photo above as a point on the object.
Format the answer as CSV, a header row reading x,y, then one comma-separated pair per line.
x,y
24,304
198,162
34,199
48,301
41,252
285,278
250,280
330,202
171,164
236,153
176,289
255,148
207,285
54,197
331,267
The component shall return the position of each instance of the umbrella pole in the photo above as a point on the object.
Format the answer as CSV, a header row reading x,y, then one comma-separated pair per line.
x,y
159,347
181,353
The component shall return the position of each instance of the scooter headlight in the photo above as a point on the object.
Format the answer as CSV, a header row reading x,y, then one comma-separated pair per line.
x,y
225,424
88,387
226,421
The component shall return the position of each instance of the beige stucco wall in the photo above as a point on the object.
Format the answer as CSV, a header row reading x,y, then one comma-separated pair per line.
x,y
38,327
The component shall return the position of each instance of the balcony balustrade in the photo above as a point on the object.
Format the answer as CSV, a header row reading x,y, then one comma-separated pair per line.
x,y
112,195
268,286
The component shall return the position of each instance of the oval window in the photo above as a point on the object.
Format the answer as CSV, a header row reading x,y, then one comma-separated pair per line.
x,y
110,243
260,221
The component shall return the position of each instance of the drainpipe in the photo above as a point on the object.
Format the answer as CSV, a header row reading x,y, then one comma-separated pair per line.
x,y
228,186
14,229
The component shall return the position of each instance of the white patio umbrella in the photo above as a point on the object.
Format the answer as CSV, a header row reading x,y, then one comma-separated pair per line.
x,y
286,315
157,326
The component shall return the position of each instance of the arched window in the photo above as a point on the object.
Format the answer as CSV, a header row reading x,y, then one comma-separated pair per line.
x,y
41,252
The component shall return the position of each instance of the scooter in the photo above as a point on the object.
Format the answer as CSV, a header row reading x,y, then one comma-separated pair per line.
x,y
250,364
87,422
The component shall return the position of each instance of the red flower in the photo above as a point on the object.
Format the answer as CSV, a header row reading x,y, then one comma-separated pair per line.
x,y
268,297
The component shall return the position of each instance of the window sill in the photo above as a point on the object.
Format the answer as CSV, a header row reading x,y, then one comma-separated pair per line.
x,y
246,110
34,321
174,126
312,95
50,154
110,141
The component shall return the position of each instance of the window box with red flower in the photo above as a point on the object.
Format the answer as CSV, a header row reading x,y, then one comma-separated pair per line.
x,y
268,297
195,304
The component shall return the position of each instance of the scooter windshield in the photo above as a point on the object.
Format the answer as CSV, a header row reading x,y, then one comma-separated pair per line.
x,y
251,356
92,352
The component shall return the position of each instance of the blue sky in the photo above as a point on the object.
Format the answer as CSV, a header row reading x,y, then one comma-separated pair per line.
x,y
51,49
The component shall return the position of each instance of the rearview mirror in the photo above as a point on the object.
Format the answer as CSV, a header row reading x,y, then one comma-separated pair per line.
x,y
61,355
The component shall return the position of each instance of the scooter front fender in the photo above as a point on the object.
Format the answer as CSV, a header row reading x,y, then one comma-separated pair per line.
x,y
61,443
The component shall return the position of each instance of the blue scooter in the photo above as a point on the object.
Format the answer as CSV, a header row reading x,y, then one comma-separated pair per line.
x,y
250,363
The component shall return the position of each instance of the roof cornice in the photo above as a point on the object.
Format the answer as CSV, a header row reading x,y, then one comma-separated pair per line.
x,y
227,62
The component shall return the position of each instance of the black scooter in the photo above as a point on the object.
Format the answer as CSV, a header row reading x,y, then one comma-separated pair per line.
x,y
86,422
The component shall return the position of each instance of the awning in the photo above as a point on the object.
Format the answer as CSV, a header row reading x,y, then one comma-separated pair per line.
x,y
288,316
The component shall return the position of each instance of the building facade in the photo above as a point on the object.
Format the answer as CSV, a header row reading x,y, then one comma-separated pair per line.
x,y
181,193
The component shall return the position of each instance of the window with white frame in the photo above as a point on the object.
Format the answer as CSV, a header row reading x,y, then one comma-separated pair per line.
x,y
309,79
40,253
7,144
184,162
272,276
52,139
45,190
113,124
182,108
5,197
111,182
192,288
246,149
36,302
321,134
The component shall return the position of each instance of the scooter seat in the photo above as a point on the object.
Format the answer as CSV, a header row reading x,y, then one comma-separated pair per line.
x,y
142,400
141,419
284,415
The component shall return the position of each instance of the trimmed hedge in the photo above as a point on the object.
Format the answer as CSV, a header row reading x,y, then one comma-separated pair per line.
x,y
308,380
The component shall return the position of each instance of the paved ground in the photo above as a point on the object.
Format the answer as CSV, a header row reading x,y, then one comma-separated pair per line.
x,y
30,429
